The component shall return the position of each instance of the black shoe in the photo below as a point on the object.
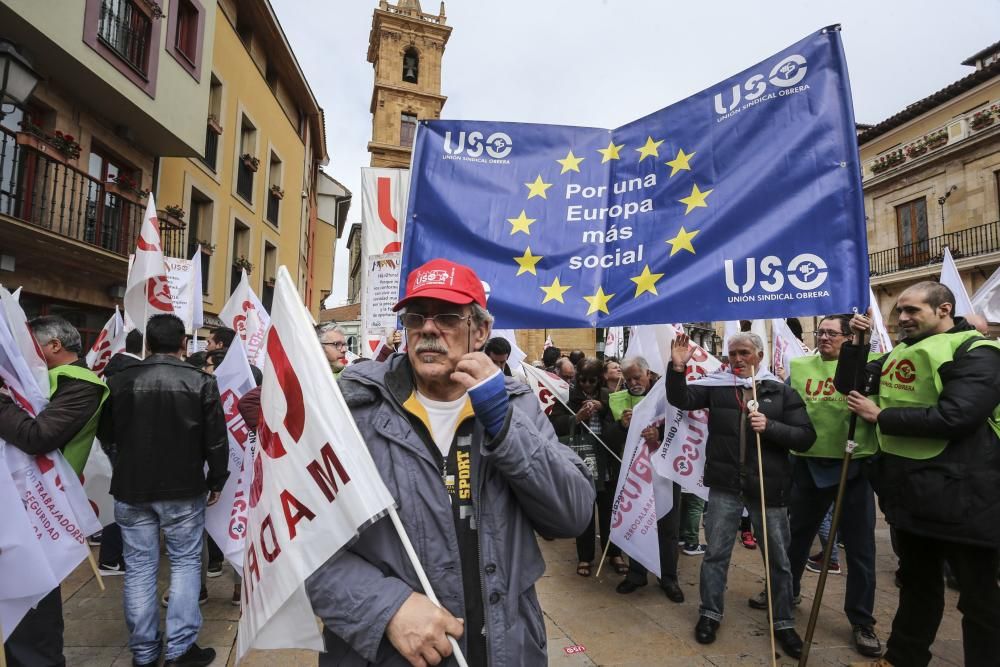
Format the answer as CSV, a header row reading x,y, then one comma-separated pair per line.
x,y
704,631
896,580
193,657
790,642
626,587
672,591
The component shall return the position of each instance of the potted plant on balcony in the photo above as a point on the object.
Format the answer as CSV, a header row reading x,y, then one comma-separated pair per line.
x,y
33,136
66,144
171,216
243,263
269,282
936,139
277,192
207,248
122,185
982,119
251,162
214,124
916,149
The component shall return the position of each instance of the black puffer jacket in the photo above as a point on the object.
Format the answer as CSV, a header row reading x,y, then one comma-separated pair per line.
x,y
955,495
788,428
164,419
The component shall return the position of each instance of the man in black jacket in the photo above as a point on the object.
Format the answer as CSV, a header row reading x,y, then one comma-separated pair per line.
x,y
731,471
938,474
165,421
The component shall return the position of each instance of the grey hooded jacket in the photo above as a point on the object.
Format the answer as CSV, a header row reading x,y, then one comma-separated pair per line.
x,y
523,480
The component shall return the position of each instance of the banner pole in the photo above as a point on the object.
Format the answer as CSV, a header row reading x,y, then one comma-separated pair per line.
x,y
763,521
145,316
3,651
422,576
604,555
93,566
838,503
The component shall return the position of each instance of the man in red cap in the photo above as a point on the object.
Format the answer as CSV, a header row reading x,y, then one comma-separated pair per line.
x,y
475,469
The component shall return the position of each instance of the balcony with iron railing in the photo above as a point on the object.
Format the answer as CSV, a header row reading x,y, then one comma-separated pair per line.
x,y
969,242
40,189
960,129
126,29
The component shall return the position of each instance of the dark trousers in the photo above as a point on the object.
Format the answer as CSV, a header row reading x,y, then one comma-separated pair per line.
x,y
585,541
921,600
111,545
667,530
215,554
808,507
37,641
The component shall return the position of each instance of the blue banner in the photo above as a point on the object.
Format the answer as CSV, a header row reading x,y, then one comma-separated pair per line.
x,y
741,202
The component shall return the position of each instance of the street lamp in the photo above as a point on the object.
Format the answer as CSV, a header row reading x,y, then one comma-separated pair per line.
x,y
17,78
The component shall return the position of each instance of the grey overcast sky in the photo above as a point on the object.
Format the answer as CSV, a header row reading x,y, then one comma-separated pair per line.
x,y
606,62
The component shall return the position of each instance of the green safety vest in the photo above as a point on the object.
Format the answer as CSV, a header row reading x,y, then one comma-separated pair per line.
x,y
910,379
78,448
812,379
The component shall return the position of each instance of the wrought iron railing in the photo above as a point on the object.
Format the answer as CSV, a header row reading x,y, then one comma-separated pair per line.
x,y
174,242
244,182
211,148
963,243
43,191
125,29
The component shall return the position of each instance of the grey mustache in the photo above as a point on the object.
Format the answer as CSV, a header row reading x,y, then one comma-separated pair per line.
x,y
432,345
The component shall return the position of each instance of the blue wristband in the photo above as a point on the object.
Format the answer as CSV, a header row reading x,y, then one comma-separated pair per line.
x,y
489,402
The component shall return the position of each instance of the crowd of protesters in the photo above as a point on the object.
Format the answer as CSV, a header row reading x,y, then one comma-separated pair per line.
x,y
458,431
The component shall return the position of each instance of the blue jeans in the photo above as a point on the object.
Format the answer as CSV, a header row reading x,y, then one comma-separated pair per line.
x,y
183,525
722,519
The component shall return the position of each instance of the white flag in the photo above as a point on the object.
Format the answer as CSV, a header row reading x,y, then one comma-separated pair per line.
x,y
641,496
729,329
548,343
986,300
147,291
314,484
97,484
613,339
881,342
30,361
652,343
951,279
109,342
21,555
226,520
785,346
383,209
548,387
245,314
517,355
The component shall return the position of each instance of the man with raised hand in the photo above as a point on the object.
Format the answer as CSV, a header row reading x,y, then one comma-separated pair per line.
x,y
731,471
68,423
938,475
816,474
475,469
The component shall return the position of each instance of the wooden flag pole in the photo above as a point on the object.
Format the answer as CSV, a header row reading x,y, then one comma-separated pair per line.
x,y
93,566
3,651
603,555
763,521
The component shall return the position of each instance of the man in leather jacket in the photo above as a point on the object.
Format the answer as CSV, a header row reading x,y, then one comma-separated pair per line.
x,y
165,421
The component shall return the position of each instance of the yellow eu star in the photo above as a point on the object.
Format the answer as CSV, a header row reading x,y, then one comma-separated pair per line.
x,y
526,262
696,199
682,242
650,149
520,224
646,282
554,292
598,302
611,152
570,163
682,161
538,188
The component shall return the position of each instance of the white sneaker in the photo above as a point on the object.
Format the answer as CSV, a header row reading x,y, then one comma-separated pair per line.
x,y
111,569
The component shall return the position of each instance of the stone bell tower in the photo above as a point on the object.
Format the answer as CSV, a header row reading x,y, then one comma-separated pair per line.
x,y
405,47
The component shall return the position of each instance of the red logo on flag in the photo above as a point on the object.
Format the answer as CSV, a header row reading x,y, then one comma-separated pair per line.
x,y
158,294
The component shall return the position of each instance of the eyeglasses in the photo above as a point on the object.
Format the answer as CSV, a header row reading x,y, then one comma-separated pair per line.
x,y
339,346
826,333
443,321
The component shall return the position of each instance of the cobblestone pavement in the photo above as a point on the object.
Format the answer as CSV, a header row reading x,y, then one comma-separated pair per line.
x,y
643,628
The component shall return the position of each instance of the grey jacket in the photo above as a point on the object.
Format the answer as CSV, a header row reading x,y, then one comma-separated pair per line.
x,y
523,480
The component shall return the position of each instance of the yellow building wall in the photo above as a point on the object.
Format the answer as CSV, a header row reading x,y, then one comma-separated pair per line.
x,y
244,93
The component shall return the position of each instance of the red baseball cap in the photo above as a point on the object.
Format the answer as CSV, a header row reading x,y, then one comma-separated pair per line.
x,y
446,281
